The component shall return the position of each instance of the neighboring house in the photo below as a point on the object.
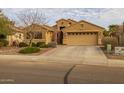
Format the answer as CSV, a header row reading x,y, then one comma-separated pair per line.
x,y
119,34
42,33
70,32
16,37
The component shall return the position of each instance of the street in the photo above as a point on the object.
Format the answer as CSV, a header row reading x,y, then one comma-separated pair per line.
x,y
58,73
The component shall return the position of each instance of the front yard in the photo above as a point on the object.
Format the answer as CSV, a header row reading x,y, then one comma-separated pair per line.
x,y
15,51
112,55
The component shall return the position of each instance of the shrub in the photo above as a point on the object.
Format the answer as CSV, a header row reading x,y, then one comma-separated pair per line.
x,y
5,42
52,44
44,46
1,44
29,50
22,44
110,40
34,44
40,44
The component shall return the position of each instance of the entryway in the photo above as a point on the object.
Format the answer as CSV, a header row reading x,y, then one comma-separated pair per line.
x,y
60,38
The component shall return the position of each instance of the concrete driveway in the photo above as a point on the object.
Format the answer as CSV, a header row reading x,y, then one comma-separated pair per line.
x,y
76,54
65,54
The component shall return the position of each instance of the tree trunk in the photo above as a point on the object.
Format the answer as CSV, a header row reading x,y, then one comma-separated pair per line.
x,y
30,43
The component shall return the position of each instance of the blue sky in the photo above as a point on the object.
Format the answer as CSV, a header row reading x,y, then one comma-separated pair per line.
x,y
99,16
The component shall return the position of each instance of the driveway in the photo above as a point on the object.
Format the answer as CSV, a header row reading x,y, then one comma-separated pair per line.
x,y
65,54
76,54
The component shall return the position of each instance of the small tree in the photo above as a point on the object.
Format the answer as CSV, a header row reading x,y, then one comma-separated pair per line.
x,y
5,25
110,40
106,33
29,17
113,28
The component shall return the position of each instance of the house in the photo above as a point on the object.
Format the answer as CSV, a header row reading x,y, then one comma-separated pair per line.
x,y
42,33
16,36
70,32
65,31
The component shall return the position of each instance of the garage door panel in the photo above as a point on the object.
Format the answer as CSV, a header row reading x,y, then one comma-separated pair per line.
x,y
82,39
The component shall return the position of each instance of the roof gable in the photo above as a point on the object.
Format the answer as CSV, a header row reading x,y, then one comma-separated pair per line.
x,y
90,24
83,26
47,28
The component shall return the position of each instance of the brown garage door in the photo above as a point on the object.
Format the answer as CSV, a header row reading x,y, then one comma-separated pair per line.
x,y
82,38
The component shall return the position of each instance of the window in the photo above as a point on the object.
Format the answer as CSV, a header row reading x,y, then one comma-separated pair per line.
x,y
36,35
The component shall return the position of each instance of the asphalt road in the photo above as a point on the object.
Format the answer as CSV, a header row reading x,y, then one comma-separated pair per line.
x,y
58,73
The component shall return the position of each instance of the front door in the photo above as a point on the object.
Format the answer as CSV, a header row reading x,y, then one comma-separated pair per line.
x,y
60,37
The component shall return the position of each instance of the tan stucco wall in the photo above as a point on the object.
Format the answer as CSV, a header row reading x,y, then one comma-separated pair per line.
x,y
49,37
15,37
46,35
64,23
80,27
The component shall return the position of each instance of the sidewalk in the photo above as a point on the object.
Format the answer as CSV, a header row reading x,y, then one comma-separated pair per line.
x,y
115,63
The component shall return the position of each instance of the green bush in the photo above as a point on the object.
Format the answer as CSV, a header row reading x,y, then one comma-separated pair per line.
x,y
1,44
22,44
110,40
40,44
5,42
29,50
34,44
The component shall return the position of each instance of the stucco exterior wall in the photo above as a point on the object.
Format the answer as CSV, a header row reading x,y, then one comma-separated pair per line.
x,y
81,26
18,37
49,37
46,35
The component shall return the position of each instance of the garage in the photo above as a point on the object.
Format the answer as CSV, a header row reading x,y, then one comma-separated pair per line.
x,y
82,38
